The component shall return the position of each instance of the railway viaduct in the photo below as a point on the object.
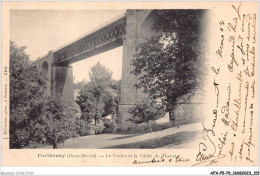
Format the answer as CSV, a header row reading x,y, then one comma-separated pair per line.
x,y
127,31
131,29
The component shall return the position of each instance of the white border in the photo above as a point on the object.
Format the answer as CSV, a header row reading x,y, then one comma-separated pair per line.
x,y
124,170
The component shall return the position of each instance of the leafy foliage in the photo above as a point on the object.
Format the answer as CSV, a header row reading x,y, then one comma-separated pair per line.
x,y
99,97
56,123
83,127
34,117
116,85
91,107
110,126
25,89
170,65
80,85
144,112
100,78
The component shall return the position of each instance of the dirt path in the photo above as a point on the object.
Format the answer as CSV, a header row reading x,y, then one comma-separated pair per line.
x,y
182,137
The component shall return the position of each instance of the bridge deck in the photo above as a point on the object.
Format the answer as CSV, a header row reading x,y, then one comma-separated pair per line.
x,y
106,38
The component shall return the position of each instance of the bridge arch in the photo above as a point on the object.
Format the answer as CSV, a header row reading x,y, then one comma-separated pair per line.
x,y
148,27
44,68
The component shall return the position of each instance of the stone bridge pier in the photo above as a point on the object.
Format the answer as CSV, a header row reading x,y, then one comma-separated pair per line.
x,y
138,28
59,78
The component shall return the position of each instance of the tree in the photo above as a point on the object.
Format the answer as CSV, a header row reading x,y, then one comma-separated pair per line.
x,y
98,98
25,88
80,85
144,112
82,126
100,77
55,124
33,117
170,65
89,105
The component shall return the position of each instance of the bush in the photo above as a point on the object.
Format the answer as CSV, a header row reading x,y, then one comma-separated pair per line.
x,y
110,127
83,127
144,112
99,127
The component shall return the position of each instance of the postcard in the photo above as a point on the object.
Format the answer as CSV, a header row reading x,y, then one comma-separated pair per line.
x,y
129,84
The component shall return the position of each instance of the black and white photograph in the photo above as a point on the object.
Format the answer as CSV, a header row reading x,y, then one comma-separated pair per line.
x,y
130,84
133,79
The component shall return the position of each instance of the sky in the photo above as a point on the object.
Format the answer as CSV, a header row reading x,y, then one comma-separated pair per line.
x,y
45,30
